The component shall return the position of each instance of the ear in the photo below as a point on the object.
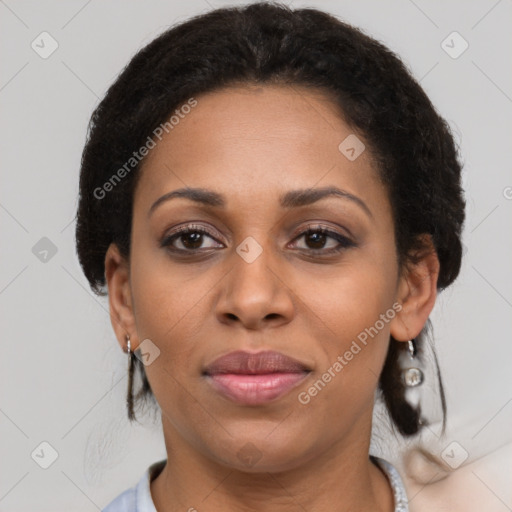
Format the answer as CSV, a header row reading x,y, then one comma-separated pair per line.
x,y
117,275
417,292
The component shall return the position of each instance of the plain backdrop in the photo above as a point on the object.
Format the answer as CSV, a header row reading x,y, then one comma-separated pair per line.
x,y
62,372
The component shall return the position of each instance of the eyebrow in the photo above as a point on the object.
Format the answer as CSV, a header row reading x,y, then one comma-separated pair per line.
x,y
291,199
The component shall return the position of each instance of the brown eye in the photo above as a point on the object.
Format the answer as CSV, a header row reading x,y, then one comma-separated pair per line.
x,y
190,239
323,240
315,240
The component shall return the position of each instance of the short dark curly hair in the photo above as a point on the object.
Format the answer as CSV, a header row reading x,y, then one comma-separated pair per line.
x,y
267,43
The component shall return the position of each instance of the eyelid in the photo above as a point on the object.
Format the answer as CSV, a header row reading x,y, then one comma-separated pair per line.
x,y
343,241
168,237
191,227
312,225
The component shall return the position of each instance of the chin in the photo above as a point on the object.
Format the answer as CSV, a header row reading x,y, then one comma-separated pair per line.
x,y
263,455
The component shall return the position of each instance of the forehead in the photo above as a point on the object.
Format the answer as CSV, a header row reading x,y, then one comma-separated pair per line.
x,y
252,140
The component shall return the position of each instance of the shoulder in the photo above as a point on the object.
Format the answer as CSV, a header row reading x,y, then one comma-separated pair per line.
x,y
137,498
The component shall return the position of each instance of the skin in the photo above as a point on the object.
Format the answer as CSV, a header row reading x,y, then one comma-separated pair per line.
x,y
252,144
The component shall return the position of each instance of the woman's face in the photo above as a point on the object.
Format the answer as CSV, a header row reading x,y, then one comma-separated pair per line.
x,y
254,281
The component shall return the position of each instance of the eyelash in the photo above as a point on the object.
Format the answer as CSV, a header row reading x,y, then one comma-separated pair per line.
x,y
344,242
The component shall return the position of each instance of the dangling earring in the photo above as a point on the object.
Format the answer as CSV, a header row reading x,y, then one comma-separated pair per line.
x,y
131,367
418,374
412,376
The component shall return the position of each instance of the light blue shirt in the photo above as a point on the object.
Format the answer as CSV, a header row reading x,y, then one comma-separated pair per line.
x,y
138,498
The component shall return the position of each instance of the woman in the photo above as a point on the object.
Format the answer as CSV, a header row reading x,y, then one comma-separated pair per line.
x,y
272,203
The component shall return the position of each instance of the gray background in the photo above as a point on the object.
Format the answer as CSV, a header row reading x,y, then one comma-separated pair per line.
x,y
63,374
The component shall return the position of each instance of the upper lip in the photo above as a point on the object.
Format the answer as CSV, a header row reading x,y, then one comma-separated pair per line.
x,y
250,363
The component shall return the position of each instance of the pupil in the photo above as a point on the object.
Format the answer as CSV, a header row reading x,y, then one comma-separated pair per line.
x,y
317,239
191,240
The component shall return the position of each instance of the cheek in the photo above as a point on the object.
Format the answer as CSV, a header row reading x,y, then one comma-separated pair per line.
x,y
353,306
350,298
169,310
169,302
169,317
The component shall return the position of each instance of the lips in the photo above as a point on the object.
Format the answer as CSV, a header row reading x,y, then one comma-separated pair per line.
x,y
255,378
247,363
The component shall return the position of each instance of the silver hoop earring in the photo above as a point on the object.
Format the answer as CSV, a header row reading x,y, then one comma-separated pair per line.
x,y
412,376
128,344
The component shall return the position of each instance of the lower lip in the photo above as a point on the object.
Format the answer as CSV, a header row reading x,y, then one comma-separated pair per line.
x,y
255,389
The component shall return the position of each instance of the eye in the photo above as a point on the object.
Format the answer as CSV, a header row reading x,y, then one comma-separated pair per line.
x,y
322,240
190,238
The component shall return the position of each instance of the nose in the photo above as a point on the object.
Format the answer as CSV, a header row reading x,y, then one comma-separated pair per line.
x,y
255,295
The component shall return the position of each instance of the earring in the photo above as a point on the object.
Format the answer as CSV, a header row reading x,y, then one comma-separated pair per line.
x,y
412,376
418,372
131,367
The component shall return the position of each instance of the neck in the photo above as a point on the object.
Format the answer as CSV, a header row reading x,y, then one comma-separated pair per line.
x,y
342,478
